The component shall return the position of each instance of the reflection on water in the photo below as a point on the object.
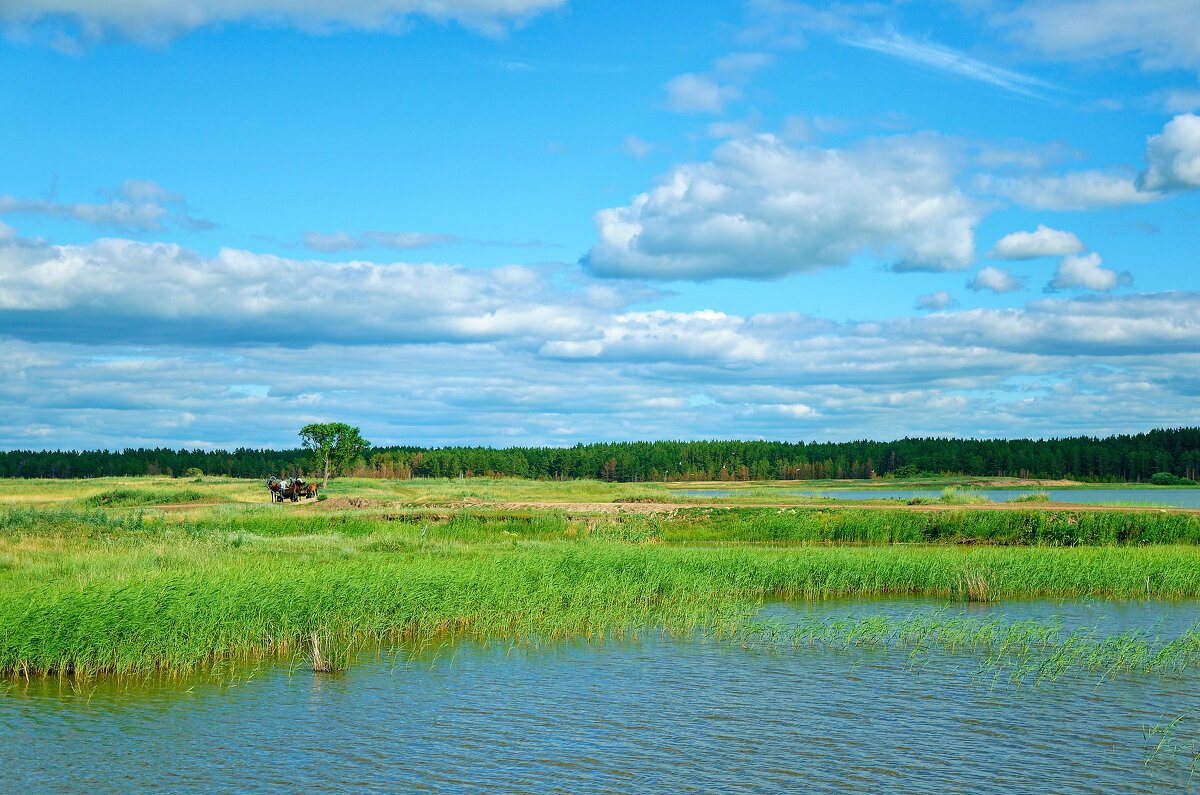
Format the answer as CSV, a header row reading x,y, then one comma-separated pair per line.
x,y
1174,498
647,714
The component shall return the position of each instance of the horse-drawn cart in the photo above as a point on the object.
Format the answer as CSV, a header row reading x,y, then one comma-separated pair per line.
x,y
292,489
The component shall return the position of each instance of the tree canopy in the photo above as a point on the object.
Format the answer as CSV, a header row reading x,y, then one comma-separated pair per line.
x,y
334,444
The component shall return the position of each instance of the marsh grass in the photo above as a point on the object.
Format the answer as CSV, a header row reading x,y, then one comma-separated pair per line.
x,y
1174,741
86,606
973,586
326,653
1032,650
87,590
951,496
857,525
631,528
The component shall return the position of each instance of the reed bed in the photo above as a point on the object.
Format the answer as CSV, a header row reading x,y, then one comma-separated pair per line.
x,y
90,590
176,606
1008,527
1036,651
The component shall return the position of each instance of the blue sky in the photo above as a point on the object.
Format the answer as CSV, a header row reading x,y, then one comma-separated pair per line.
x,y
550,221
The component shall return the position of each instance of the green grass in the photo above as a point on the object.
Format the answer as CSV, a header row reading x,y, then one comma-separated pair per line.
x,y
87,594
97,581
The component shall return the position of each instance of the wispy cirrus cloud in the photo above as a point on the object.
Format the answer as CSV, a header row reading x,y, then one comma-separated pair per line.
x,y
1080,190
73,24
947,59
333,242
137,205
401,241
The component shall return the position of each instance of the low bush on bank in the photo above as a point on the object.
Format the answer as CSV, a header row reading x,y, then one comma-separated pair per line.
x,y
1167,479
132,497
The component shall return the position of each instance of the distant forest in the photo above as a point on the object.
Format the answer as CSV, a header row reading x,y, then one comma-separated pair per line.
x,y
1116,458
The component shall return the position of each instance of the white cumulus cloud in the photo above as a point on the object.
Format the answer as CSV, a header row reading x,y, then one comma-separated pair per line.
x,y
1085,273
1173,156
761,209
1042,242
115,287
995,279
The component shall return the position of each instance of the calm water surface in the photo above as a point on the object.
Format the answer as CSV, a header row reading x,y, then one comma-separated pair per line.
x,y
1175,498
648,714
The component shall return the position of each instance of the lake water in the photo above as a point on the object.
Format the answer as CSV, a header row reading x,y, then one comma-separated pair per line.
x,y
1176,498
648,715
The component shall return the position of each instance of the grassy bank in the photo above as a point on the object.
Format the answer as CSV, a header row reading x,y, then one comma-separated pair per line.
x,y
96,582
102,592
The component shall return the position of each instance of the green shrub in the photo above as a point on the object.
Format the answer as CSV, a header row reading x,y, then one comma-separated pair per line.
x,y
1167,479
126,497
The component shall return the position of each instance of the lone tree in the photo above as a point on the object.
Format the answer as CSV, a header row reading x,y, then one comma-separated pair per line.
x,y
334,444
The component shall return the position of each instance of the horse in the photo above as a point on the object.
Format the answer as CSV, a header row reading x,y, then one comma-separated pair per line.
x,y
310,490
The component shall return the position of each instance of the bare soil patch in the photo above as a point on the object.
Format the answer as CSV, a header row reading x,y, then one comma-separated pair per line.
x,y
341,504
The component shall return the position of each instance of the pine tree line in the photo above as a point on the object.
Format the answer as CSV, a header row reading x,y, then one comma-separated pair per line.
x,y
1115,458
